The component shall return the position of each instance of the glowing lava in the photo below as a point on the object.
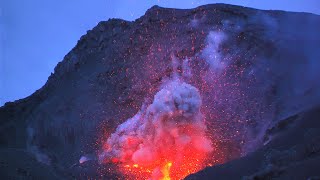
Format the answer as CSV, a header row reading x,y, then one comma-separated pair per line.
x,y
162,169
171,164
166,140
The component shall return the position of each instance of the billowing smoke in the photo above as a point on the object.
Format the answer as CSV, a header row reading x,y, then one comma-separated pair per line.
x,y
167,134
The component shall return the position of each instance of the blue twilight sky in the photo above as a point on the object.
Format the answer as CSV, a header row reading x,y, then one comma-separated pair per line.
x,y
36,34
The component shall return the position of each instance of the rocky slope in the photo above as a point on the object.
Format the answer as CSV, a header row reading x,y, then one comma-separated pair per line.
x,y
253,68
293,154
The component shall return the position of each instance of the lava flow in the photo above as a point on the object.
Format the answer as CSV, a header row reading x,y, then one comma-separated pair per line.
x,y
166,140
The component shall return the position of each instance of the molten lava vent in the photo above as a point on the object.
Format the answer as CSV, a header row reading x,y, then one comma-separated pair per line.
x,y
165,140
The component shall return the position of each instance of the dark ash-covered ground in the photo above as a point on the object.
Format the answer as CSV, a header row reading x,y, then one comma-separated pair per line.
x,y
293,154
257,73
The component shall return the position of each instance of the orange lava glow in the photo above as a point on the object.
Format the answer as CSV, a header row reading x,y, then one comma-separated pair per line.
x,y
166,140
175,168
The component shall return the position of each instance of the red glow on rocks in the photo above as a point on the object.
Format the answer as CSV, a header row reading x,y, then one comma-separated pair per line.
x,y
166,140
191,162
172,163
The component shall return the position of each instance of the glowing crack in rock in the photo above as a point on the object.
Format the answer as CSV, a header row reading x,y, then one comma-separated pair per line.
x,y
166,140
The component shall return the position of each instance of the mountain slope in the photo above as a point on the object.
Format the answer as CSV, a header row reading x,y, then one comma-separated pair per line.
x,y
253,68
292,154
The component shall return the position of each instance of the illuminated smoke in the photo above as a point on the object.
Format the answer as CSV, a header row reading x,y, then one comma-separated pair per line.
x,y
166,137
212,51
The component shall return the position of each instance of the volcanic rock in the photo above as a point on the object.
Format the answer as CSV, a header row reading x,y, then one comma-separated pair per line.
x,y
257,72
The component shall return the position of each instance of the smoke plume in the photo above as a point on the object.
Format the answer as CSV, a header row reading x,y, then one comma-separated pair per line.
x,y
166,137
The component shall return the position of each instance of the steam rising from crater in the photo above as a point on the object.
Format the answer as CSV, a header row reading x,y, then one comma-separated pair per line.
x,y
170,130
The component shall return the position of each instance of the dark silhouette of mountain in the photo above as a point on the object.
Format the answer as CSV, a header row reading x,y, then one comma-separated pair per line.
x,y
257,72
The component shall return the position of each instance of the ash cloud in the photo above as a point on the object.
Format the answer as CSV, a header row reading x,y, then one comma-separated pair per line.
x,y
161,131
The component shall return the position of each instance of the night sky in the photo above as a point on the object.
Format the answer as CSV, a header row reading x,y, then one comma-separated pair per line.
x,y
35,34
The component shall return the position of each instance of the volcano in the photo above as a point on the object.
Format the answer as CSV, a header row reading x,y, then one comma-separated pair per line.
x,y
214,92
